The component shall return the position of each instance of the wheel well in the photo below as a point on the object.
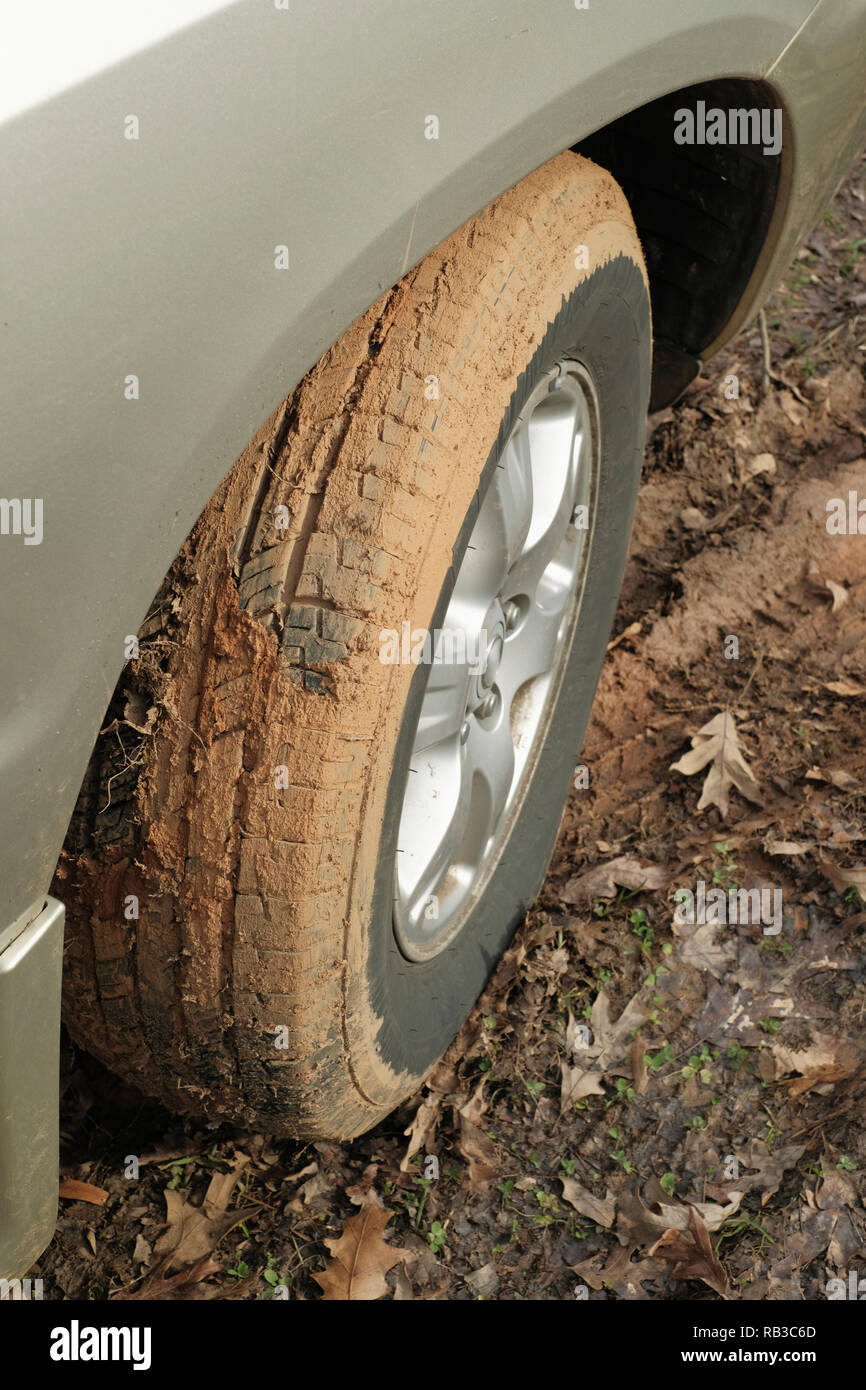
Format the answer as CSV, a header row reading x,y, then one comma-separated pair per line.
x,y
702,213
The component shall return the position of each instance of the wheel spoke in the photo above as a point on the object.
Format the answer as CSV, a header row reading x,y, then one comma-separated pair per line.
x,y
555,452
491,760
433,851
500,532
530,652
511,494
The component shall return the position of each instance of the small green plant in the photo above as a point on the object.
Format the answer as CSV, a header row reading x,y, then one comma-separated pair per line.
x,y
425,1184
568,1165
770,1025
272,1278
846,1164
241,1269
698,1066
550,1208
724,874
736,1056
642,930
667,1182
657,1062
623,1092
437,1236
619,1157
176,1169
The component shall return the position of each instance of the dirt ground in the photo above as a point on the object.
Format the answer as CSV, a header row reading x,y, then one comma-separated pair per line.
x,y
640,1106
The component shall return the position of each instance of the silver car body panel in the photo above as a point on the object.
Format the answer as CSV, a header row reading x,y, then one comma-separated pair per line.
x,y
30,969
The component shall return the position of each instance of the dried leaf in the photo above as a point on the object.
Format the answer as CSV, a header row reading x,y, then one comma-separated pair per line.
x,y
787,847
828,1059
602,1212
840,595
143,1250
360,1258
576,1083
705,946
75,1191
836,776
692,1259
484,1282
796,413
611,1041
640,1075
181,1285
836,1191
717,743
193,1232
845,687
637,1224
842,879
422,1128
605,880
761,463
357,1193
620,1273
480,1153
823,586
771,1167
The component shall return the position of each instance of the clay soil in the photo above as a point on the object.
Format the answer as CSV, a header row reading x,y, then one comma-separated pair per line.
x,y
639,1107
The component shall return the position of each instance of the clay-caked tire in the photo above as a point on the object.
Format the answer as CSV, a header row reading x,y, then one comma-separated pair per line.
x,y
230,871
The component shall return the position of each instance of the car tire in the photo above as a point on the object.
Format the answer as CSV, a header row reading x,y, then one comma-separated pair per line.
x,y
240,940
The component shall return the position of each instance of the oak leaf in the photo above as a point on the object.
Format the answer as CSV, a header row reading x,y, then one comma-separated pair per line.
x,y
717,743
193,1232
692,1259
360,1258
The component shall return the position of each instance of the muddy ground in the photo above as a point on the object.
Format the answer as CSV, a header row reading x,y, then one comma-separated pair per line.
x,y
640,1107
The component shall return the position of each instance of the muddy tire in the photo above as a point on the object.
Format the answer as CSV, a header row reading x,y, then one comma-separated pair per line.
x,y
230,871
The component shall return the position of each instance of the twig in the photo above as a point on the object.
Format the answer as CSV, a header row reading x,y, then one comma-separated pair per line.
x,y
765,346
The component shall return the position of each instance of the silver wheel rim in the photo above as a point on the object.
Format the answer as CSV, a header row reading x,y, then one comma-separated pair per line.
x,y
496,663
